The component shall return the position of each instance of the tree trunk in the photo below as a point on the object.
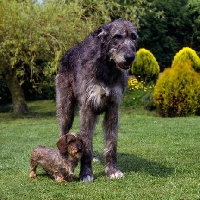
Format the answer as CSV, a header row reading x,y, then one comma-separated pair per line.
x,y
18,99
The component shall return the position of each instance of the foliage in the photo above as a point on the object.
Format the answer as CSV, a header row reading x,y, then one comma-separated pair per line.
x,y
177,91
187,54
146,66
167,34
158,154
131,10
140,93
194,13
4,92
147,99
34,36
101,11
36,33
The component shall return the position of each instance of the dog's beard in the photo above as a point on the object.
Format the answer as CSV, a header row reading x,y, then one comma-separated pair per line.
x,y
119,60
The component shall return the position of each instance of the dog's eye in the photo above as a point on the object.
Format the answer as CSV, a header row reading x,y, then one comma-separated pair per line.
x,y
134,36
117,37
71,141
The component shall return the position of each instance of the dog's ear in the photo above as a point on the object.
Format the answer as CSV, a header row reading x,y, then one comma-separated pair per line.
x,y
70,138
103,32
62,144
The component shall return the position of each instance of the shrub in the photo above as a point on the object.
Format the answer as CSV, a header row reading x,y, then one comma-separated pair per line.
x,y
147,99
187,54
146,67
141,93
177,91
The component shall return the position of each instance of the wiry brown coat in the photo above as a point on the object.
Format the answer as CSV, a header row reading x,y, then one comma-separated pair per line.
x,y
60,164
94,74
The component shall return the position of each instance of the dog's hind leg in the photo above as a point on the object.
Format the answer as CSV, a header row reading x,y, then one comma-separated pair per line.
x,y
65,103
65,115
110,129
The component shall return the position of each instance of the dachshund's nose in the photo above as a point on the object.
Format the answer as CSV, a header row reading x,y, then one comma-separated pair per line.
x,y
79,147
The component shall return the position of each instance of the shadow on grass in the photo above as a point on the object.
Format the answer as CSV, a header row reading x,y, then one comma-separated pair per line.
x,y
35,110
128,163
132,163
32,113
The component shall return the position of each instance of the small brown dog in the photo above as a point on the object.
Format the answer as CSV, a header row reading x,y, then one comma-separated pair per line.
x,y
58,163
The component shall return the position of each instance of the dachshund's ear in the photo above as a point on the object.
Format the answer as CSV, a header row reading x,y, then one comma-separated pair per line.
x,y
70,138
62,144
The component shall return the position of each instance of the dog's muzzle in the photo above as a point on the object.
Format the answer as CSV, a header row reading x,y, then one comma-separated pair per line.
x,y
129,58
79,147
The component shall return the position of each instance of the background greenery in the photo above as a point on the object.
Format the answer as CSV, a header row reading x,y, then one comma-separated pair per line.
x,y
159,156
34,36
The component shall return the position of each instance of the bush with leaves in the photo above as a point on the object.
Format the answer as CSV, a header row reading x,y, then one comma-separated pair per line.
x,y
146,67
187,54
140,93
177,91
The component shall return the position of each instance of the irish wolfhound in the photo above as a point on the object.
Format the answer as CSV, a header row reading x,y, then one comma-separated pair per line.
x,y
94,74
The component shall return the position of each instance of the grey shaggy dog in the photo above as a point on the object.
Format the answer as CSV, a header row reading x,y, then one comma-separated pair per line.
x,y
94,74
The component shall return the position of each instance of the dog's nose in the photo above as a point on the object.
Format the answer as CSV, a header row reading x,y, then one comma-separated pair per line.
x,y
79,147
129,57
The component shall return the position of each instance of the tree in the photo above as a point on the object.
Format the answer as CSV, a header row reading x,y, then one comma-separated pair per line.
x,y
30,32
34,36
166,35
194,8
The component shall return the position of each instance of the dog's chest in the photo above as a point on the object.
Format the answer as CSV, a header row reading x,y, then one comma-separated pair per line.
x,y
99,96
67,166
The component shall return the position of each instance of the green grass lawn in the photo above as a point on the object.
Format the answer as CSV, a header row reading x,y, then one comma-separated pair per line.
x,y
160,157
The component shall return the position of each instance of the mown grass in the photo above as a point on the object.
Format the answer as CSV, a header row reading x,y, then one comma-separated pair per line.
x,y
160,157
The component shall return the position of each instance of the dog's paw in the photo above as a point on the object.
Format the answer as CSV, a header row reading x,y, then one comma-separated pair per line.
x,y
95,159
87,178
60,180
32,174
86,173
113,173
117,174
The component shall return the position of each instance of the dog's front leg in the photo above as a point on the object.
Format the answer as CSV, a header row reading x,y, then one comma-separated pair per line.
x,y
87,126
110,128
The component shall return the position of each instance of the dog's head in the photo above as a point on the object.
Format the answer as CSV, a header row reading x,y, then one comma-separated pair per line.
x,y
71,144
120,38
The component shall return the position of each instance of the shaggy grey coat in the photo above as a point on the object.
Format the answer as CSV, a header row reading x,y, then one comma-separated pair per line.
x,y
94,74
